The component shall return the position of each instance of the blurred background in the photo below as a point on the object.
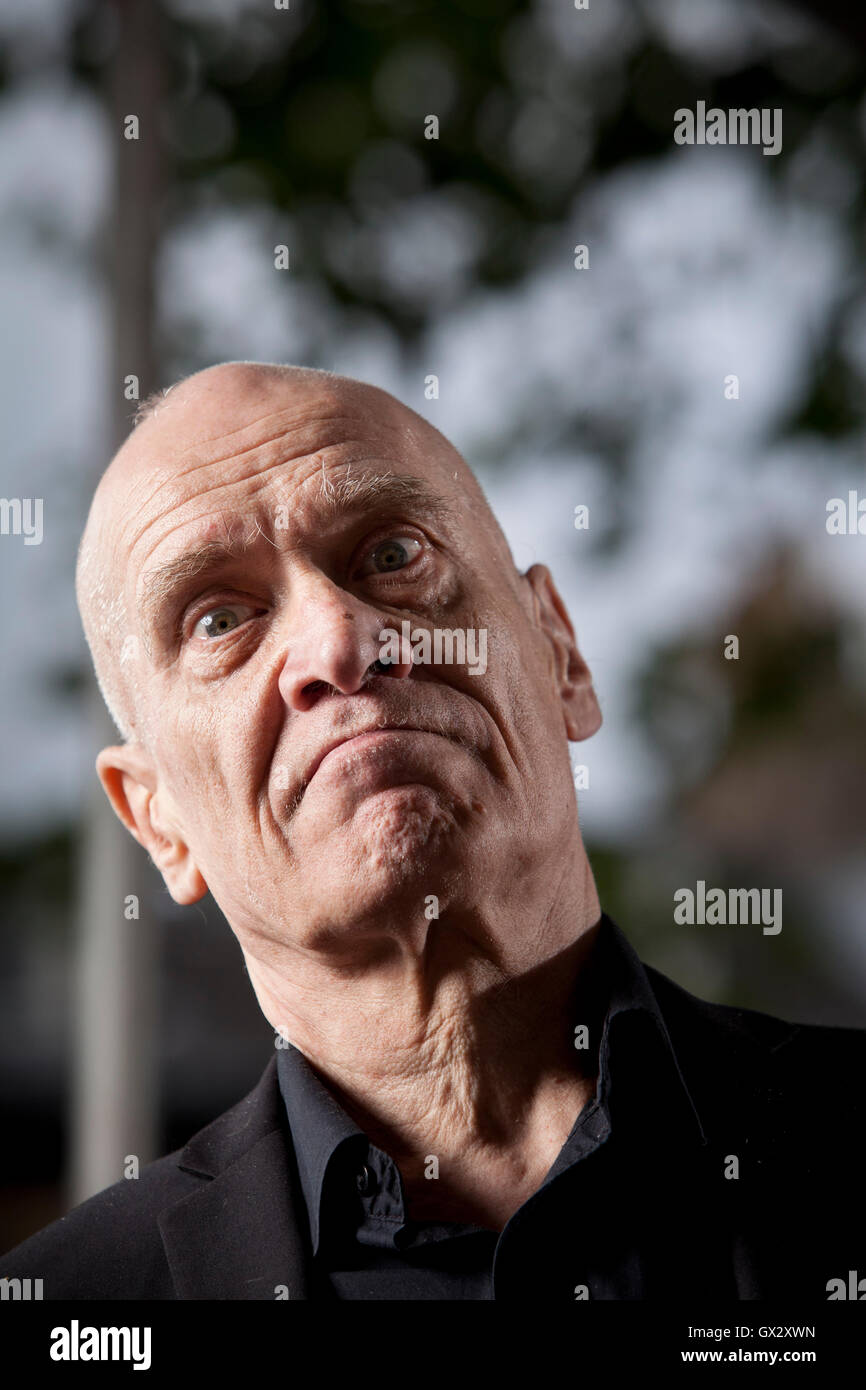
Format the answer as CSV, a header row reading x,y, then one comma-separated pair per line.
x,y
123,1029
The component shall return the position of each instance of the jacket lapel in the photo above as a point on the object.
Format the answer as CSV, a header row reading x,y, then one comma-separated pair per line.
x,y
243,1234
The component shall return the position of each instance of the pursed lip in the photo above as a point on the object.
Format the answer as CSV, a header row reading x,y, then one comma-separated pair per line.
x,y
357,733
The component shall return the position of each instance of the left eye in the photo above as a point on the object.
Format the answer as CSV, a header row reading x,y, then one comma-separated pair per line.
x,y
392,554
221,620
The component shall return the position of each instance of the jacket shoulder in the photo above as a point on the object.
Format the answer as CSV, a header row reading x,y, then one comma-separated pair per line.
x,y
742,1061
750,1028
110,1245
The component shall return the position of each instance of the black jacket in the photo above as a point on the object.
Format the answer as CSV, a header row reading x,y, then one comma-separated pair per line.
x,y
224,1217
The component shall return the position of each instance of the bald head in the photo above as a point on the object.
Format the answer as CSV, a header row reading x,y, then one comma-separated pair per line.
x,y
234,411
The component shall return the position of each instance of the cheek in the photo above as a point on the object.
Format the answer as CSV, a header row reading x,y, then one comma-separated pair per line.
x,y
440,596
215,749
520,681
195,756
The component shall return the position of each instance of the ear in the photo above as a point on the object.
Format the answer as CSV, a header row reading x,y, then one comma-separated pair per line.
x,y
132,786
580,708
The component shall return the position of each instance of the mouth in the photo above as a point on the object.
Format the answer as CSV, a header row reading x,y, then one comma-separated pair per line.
x,y
358,739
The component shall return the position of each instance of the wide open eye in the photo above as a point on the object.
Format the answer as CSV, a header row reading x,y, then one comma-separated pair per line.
x,y
221,620
391,554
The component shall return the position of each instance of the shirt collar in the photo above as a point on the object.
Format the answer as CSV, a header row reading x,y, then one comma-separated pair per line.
x,y
320,1126
633,1004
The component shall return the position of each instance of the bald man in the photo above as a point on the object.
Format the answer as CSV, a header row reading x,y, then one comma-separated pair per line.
x,y
478,1091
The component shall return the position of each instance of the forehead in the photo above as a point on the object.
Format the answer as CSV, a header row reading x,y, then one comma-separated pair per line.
x,y
198,463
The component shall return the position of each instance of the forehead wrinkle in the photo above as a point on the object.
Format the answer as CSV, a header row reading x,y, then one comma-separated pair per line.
x,y
258,480
304,422
229,434
282,460
302,418
259,483
178,475
348,494
264,478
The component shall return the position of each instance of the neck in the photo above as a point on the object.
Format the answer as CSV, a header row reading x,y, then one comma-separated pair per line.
x,y
456,1040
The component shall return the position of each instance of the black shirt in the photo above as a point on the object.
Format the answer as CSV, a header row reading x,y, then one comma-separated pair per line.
x,y
597,1227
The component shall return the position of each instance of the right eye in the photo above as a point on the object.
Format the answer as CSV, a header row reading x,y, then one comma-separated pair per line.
x,y
218,621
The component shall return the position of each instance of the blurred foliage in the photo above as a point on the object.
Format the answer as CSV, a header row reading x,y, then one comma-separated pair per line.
x,y
789,694
316,113
765,762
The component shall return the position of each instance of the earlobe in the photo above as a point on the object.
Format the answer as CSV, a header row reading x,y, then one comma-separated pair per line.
x,y
131,784
183,880
581,709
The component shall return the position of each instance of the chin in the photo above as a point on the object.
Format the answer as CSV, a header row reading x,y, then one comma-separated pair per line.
x,y
386,852
400,832
395,851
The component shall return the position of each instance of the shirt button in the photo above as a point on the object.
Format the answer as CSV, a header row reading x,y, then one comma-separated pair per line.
x,y
365,1180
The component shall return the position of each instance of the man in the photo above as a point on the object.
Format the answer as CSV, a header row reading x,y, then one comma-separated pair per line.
x,y
485,1095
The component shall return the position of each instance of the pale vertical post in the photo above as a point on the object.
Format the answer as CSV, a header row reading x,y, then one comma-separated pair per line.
x,y
114,1065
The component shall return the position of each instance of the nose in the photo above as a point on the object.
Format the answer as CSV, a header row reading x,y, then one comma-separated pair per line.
x,y
333,642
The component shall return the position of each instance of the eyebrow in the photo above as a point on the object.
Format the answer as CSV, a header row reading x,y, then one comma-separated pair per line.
x,y
347,496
